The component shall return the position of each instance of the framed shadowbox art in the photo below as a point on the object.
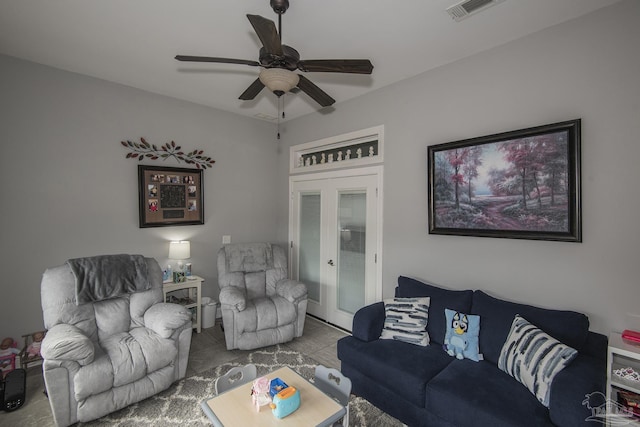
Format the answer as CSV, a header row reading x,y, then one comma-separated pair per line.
x,y
522,184
170,196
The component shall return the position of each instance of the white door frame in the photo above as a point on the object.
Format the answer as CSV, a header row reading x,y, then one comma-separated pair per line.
x,y
376,171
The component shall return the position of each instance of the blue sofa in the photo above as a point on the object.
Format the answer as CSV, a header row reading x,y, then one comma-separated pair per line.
x,y
424,386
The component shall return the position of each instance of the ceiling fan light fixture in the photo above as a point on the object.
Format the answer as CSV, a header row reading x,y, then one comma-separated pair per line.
x,y
279,80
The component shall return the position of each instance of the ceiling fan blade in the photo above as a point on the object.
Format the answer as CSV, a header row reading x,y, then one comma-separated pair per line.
x,y
315,92
252,91
355,66
267,33
188,58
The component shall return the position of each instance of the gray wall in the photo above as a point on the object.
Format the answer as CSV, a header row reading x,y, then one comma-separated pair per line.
x,y
67,190
587,68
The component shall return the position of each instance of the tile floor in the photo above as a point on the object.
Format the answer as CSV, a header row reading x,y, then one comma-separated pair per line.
x,y
207,350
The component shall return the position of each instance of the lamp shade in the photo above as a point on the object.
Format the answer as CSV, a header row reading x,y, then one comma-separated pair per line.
x,y
180,250
279,80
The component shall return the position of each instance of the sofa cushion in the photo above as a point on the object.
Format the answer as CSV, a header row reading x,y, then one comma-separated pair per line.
x,y
95,378
461,339
584,376
406,320
133,355
403,368
112,317
440,299
534,358
265,313
255,283
568,327
472,394
158,352
99,405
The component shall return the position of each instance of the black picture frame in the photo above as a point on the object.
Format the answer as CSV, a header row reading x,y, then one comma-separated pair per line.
x,y
522,184
170,196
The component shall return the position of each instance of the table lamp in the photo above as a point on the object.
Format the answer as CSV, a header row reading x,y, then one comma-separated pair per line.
x,y
180,251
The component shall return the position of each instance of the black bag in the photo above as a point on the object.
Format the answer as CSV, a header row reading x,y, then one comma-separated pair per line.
x,y
13,390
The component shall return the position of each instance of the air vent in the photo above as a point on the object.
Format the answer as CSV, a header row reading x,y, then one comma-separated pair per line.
x,y
467,8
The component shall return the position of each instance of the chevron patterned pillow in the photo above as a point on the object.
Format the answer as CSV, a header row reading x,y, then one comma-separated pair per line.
x,y
534,358
406,320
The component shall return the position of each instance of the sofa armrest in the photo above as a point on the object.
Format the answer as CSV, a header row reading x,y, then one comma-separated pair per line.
x,y
368,322
234,297
569,403
291,290
165,318
596,346
67,342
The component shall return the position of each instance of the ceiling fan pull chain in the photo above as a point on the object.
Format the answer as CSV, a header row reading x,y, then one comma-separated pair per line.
x,y
279,99
280,108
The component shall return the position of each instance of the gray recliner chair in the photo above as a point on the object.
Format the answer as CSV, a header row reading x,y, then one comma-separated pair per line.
x,y
260,305
111,339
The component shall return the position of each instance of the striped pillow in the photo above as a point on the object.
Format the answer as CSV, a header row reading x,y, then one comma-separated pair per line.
x,y
406,320
534,358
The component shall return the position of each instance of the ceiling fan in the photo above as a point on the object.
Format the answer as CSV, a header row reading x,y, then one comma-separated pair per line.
x,y
278,62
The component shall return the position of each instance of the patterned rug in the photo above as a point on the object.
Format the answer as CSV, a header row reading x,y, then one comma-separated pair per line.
x,y
180,404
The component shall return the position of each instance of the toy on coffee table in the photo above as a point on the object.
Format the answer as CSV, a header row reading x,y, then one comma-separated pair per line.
x,y
285,399
8,352
260,392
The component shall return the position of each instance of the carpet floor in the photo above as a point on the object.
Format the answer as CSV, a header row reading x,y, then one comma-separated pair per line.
x,y
180,404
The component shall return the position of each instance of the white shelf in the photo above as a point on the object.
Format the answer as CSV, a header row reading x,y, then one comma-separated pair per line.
x,y
621,354
623,383
193,286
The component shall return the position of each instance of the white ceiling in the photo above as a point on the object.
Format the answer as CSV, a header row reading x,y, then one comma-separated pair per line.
x,y
133,42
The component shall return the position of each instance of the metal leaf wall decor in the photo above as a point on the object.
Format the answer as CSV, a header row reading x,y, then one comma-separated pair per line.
x,y
141,150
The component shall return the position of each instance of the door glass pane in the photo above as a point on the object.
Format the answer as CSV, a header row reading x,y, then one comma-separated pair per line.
x,y
352,215
309,254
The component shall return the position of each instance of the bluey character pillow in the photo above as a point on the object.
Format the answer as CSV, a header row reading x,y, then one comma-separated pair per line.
x,y
461,338
406,320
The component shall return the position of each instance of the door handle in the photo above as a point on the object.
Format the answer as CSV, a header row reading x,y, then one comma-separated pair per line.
x,y
330,262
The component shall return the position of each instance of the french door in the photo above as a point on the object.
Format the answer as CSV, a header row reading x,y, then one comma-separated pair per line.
x,y
335,234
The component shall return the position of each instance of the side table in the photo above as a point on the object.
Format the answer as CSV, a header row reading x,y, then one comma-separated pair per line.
x,y
193,300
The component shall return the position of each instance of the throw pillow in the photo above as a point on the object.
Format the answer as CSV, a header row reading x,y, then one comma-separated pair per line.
x,y
461,339
406,320
533,357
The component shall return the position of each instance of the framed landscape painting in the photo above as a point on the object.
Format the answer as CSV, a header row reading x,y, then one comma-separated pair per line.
x,y
170,196
523,184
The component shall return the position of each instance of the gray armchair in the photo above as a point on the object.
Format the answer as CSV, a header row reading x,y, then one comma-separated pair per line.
x,y
111,340
260,305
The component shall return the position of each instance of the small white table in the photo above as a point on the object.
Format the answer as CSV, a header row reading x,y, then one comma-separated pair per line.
x,y
234,408
193,285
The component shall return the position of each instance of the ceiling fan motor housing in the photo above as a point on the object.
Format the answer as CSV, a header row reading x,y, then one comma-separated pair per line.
x,y
288,60
280,6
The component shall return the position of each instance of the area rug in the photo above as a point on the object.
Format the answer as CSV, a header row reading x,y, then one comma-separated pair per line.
x,y
180,404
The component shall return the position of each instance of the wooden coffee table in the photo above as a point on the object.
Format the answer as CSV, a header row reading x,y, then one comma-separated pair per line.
x,y
235,408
